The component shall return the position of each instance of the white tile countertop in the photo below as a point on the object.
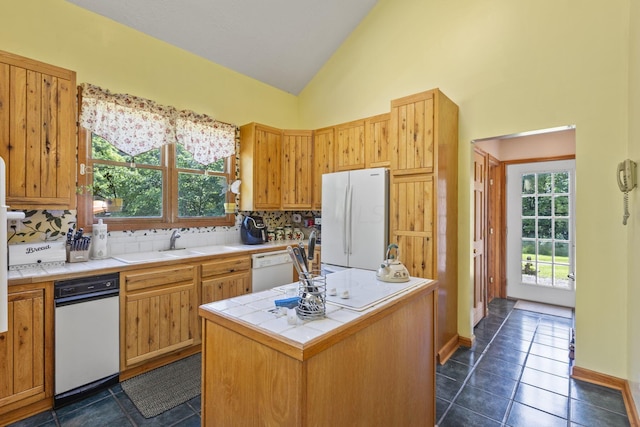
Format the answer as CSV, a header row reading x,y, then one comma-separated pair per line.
x,y
62,269
366,294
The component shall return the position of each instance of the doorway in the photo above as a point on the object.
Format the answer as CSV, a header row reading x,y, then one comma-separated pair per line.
x,y
490,213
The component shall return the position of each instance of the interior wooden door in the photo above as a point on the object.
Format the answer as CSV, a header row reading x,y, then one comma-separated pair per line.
x,y
479,234
494,230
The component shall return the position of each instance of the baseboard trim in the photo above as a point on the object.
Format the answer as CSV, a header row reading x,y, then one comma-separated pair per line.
x,y
610,382
466,342
448,349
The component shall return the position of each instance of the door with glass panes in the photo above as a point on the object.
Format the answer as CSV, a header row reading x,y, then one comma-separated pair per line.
x,y
540,232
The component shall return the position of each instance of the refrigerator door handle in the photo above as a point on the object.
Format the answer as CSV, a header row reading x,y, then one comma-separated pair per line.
x,y
350,220
344,220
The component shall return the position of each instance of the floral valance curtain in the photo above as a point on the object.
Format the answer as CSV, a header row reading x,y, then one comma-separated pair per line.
x,y
205,138
135,125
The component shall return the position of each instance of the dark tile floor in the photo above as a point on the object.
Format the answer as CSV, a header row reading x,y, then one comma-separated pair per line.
x,y
516,374
112,407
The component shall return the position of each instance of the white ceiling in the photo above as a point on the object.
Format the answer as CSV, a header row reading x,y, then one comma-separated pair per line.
x,y
282,43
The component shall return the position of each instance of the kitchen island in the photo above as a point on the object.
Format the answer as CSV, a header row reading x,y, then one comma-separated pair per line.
x,y
370,361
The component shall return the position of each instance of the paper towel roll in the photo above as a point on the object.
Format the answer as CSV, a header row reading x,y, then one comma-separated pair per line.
x,y
99,241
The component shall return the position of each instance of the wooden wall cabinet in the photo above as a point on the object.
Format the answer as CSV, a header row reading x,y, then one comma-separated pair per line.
x,y
376,136
225,278
297,169
349,146
323,161
26,352
38,133
158,313
424,199
260,167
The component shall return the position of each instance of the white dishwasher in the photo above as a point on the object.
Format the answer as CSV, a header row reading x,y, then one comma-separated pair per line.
x,y
270,269
87,331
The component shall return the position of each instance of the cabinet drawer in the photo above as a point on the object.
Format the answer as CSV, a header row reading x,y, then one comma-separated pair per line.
x,y
147,278
227,265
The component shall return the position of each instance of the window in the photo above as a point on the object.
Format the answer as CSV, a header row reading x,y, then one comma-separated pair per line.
x,y
545,229
144,165
163,187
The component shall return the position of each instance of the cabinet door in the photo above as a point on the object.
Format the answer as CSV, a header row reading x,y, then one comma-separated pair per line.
x,y
225,286
376,137
349,150
260,167
159,314
267,166
411,222
37,133
22,349
412,127
297,169
323,156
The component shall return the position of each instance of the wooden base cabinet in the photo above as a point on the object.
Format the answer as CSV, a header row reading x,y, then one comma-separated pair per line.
x,y
26,353
225,278
158,313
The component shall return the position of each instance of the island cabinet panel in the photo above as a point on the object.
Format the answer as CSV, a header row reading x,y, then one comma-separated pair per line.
x,y
323,161
26,352
349,146
377,369
158,313
37,132
297,169
376,136
260,167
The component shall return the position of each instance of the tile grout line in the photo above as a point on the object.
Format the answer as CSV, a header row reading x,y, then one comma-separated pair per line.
x,y
473,368
515,389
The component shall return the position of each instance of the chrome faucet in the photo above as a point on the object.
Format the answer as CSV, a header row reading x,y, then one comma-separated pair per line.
x,y
172,240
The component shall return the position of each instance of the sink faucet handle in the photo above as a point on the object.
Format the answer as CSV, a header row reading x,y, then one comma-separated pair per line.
x,y
172,240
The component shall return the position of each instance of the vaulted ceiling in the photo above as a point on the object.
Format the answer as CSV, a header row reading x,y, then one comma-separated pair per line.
x,y
282,43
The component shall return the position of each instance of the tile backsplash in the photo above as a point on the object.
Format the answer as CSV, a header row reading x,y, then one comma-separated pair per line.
x,y
51,225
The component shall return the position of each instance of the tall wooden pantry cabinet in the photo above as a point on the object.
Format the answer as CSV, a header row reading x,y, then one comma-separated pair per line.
x,y
424,199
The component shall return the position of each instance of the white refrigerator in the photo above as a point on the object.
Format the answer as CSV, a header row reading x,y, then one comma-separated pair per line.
x,y
355,218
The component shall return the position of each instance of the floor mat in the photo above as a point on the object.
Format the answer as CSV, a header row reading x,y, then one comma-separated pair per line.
x,y
537,307
157,391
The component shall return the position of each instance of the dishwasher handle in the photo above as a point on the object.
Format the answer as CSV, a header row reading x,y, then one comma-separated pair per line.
x,y
78,299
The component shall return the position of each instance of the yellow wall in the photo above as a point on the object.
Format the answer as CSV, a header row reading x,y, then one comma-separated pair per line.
x,y
123,60
634,220
511,66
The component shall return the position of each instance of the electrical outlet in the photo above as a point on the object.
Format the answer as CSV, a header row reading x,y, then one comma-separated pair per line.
x,y
15,224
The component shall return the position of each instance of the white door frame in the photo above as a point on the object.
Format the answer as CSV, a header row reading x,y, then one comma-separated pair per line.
x,y
515,287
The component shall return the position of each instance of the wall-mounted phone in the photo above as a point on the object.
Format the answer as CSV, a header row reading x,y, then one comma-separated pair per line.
x,y
626,182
